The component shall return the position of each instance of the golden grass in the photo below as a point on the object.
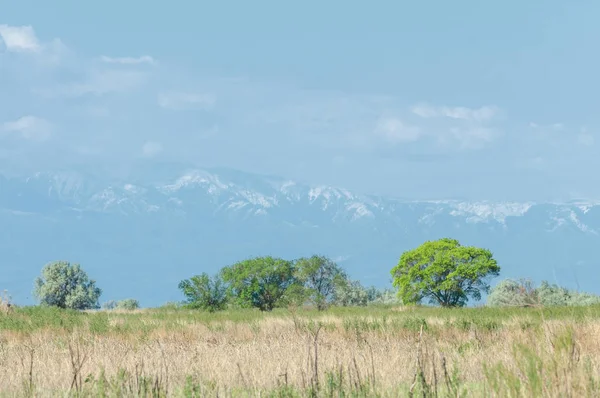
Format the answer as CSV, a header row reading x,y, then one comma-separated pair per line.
x,y
389,353
5,304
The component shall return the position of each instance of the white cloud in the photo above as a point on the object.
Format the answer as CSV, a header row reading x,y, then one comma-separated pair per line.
x,y
144,59
181,101
481,114
22,39
19,38
30,128
151,149
394,130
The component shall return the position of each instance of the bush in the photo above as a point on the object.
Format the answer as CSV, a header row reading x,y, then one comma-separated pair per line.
x,y
582,299
350,293
6,306
552,295
127,304
109,305
522,293
171,306
383,297
513,293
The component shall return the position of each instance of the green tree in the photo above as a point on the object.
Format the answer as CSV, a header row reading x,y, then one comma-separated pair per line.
x,y
260,282
66,286
444,272
319,275
205,292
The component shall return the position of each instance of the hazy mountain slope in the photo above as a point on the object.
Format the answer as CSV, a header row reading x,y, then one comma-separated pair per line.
x,y
139,237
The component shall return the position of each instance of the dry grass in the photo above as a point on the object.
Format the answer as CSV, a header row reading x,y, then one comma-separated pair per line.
x,y
380,352
6,306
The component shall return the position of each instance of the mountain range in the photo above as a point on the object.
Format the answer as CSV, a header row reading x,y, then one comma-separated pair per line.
x,y
139,235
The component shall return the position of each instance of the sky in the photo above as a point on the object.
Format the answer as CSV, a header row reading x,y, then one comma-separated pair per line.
x,y
423,100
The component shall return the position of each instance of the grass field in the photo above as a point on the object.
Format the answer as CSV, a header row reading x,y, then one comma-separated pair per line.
x,y
371,351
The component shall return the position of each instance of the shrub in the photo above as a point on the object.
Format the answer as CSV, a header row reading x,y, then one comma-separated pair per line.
x,y
384,297
350,293
581,299
171,306
6,306
552,295
109,305
128,304
513,293
522,293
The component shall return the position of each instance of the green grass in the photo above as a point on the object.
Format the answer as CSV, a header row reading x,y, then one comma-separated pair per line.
x,y
29,319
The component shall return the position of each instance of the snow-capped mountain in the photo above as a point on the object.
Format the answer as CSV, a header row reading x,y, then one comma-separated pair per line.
x,y
140,236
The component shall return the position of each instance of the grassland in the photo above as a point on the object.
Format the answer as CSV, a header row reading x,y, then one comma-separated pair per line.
x,y
372,351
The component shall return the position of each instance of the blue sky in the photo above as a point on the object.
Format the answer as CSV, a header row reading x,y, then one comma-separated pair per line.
x,y
429,99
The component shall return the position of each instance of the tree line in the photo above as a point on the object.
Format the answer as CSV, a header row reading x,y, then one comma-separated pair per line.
x,y
441,272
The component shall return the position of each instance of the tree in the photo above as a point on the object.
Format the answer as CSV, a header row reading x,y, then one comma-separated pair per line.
x,y
319,275
444,272
66,286
205,292
260,282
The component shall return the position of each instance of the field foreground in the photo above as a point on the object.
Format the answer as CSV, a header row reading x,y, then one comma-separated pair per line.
x,y
374,351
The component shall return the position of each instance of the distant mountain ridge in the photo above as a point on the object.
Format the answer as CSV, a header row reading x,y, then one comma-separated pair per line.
x,y
76,191
162,229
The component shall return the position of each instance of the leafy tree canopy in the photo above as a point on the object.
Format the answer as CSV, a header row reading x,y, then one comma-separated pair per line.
x,y
444,272
260,282
319,276
66,286
205,292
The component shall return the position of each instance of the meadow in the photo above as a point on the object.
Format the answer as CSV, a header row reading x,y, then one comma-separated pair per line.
x,y
380,351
